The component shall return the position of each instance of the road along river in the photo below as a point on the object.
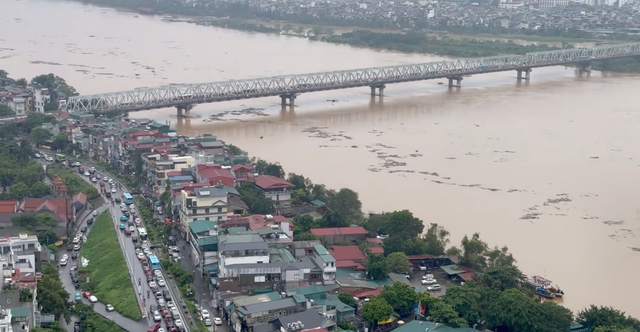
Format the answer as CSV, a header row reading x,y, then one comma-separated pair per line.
x,y
549,169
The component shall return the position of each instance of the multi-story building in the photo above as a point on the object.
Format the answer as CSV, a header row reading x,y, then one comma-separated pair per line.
x,y
41,98
326,263
204,203
159,164
274,188
241,249
19,105
20,253
5,320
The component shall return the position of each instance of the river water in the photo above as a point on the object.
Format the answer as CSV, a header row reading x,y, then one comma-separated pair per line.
x,y
549,168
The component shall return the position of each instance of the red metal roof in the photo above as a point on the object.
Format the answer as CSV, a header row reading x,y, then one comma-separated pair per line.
x,y
8,206
242,168
338,231
374,240
272,182
347,253
376,250
368,293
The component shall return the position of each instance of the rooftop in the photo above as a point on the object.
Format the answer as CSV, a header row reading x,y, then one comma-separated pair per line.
x,y
322,252
267,306
421,326
201,226
339,231
271,182
347,253
209,192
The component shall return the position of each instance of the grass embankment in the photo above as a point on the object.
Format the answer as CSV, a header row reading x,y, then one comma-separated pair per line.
x,y
99,323
107,269
75,184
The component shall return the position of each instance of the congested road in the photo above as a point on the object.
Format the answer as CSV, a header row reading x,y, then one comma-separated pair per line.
x,y
146,299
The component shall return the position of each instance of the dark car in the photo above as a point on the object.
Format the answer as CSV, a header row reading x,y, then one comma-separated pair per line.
x,y
118,200
84,229
108,194
74,255
89,221
134,239
76,285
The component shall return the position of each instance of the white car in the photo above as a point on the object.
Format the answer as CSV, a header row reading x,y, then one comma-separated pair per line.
x,y
113,190
94,180
161,282
434,288
427,276
423,268
132,229
132,206
93,169
178,323
152,284
140,255
204,313
93,299
63,262
106,178
87,174
429,281
123,205
95,213
217,320
158,273
110,308
38,155
156,316
207,321
65,256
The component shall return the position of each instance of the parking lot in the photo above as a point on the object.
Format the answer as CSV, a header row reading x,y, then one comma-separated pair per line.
x,y
440,276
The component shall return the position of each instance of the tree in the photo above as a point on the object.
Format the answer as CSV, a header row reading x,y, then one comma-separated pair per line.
x,y
601,316
397,262
303,223
7,177
266,168
52,297
51,81
473,252
6,110
377,268
403,223
436,240
47,237
347,203
39,189
513,310
465,300
39,135
333,219
34,120
375,310
46,219
376,222
255,200
347,299
401,297
500,257
306,236
502,278
20,190
441,312
613,329
556,317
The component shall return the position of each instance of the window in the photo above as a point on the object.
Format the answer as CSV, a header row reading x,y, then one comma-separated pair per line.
x,y
194,211
219,210
206,211
219,218
207,218
259,279
296,276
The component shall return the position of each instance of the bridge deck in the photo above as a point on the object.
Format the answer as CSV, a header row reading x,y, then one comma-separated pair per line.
x,y
189,94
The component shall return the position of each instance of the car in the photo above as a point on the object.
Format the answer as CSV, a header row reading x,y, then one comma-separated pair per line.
x,y
132,228
123,209
123,227
204,313
207,321
134,239
127,232
141,256
156,316
155,328
113,190
178,323
158,295
65,256
153,284
74,256
434,288
118,200
76,247
87,174
93,299
98,176
427,276
63,262
76,240
83,229
106,178
161,282
108,194
138,222
109,307
95,213
94,180
38,155
158,273
89,221
423,268
123,218
429,281
78,297
217,320
86,294
69,248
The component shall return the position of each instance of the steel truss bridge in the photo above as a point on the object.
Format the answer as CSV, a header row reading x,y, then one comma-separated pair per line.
x,y
184,96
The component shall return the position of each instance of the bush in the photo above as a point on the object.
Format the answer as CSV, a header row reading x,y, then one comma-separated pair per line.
x,y
107,269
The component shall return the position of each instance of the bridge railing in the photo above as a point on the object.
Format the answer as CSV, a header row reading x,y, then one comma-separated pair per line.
x,y
173,95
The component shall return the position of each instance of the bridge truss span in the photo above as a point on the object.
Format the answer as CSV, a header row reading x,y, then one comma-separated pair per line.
x,y
182,95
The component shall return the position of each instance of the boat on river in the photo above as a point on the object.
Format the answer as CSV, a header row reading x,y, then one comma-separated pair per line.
x,y
547,294
546,284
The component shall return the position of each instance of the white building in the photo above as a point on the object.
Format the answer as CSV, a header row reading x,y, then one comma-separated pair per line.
x,y
19,252
546,4
19,105
241,249
326,263
41,98
5,320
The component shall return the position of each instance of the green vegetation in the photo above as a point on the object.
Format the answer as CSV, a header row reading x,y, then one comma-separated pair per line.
x,y
19,175
240,25
51,296
107,269
73,181
420,42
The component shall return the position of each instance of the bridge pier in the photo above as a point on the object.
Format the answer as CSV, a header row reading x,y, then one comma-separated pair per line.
x,y
184,111
458,80
380,88
291,97
527,74
584,67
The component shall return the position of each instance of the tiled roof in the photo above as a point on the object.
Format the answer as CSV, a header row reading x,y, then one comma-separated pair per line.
x,y
338,231
345,253
272,182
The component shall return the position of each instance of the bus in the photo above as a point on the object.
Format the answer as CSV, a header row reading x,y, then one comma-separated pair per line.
x,y
60,157
154,262
128,199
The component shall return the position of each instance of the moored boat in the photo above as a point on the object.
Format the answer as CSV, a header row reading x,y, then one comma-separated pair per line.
x,y
547,294
556,291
